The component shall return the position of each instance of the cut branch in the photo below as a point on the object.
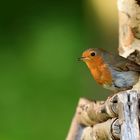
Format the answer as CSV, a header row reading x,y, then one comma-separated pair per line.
x,y
89,113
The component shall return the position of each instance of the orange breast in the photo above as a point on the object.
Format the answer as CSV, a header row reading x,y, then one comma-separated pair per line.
x,y
102,74
100,71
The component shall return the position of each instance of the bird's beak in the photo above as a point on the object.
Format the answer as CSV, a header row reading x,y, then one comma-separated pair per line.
x,y
81,58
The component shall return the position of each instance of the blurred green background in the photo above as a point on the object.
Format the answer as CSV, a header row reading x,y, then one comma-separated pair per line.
x,y
40,78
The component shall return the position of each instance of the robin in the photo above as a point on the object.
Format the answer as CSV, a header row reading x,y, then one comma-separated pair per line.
x,y
112,71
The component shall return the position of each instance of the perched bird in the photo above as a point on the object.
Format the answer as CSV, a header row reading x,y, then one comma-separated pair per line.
x,y
112,71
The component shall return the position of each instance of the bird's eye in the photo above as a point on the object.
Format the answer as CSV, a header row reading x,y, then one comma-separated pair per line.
x,y
92,54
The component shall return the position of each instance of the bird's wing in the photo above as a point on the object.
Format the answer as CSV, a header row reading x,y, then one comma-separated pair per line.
x,y
123,64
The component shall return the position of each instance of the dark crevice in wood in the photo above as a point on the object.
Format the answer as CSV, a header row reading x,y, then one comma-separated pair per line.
x,y
136,32
129,102
138,2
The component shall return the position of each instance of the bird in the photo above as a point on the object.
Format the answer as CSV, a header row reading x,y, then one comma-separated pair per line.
x,y
111,71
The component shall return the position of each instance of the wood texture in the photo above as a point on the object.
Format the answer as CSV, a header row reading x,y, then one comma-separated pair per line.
x,y
93,117
128,115
129,26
